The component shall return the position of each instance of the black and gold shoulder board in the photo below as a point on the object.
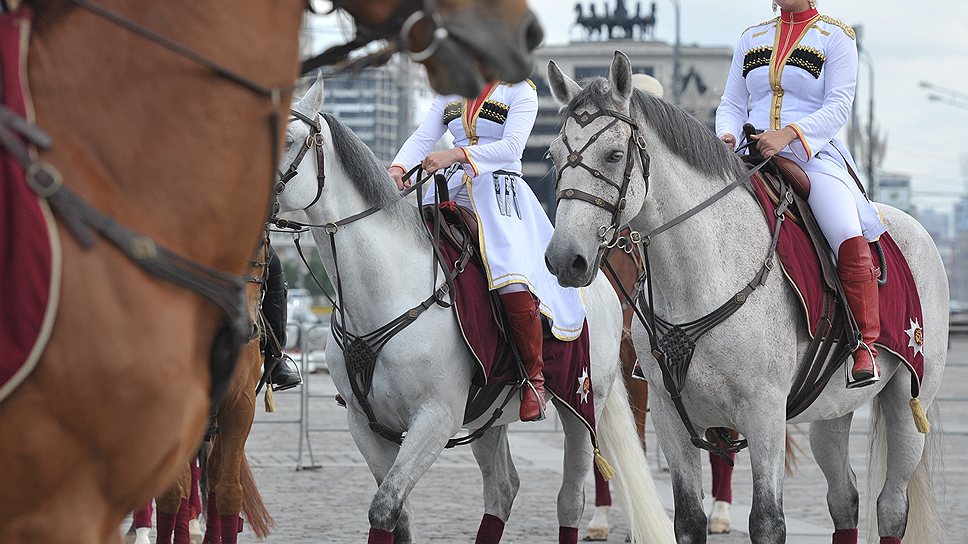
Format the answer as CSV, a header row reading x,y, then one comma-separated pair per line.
x,y
807,58
495,111
453,111
757,58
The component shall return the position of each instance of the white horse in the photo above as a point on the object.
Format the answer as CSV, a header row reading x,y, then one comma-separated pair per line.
x,y
423,374
743,369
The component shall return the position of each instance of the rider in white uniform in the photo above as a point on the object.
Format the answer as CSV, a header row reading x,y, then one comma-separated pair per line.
x,y
794,76
490,133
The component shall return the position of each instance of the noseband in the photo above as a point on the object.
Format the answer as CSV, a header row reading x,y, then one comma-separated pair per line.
x,y
313,141
608,233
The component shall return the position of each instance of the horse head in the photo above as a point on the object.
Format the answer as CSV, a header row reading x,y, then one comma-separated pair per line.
x,y
602,169
302,169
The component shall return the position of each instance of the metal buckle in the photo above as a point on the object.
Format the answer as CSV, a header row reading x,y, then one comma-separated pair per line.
x,y
44,189
330,228
768,263
314,140
640,141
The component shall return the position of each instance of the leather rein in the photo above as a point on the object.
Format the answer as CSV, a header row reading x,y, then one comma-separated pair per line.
x,y
85,221
396,33
671,345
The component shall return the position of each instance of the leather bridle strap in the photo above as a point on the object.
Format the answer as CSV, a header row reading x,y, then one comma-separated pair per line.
x,y
575,159
313,141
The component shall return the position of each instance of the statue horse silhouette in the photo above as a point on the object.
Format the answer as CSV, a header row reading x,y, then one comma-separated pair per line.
x,y
742,369
382,261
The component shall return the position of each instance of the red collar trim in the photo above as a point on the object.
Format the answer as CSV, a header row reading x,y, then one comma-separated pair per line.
x,y
798,17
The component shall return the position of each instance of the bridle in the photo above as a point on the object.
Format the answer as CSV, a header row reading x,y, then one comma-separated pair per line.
x,y
411,12
607,233
313,141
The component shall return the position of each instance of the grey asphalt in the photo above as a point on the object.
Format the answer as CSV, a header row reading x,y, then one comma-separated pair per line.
x,y
328,503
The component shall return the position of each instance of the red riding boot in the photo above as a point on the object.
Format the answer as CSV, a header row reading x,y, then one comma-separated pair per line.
x,y
859,278
524,324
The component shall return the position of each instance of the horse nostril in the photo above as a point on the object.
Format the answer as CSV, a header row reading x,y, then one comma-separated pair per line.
x,y
579,266
533,34
550,267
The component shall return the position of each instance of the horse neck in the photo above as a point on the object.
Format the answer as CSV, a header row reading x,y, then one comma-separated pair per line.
x,y
187,162
384,265
699,263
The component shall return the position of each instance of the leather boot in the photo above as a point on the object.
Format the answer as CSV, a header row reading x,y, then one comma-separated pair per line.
x,y
524,327
859,278
284,374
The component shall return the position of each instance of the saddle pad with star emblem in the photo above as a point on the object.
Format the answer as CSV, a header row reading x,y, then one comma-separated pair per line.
x,y
900,306
29,254
567,368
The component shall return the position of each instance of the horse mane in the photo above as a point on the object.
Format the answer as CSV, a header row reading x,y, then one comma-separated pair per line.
x,y
684,135
367,173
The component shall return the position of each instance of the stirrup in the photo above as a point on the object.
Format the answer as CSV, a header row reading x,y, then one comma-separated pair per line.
x,y
541,409
637,373
874,378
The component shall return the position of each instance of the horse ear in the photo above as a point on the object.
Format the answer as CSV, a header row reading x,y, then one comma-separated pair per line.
x,y
312,102
563,88
620,77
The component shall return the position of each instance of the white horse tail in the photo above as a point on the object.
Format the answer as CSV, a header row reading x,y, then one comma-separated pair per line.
x,y
633,480
924,523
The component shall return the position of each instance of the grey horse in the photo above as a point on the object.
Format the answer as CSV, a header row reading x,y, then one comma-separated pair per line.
x,y
743,369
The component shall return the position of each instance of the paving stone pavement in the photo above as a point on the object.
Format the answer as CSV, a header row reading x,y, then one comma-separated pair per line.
x,y
328,503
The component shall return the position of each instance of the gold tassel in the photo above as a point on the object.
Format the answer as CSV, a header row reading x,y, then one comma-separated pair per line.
x,y
606,469
920,418
270,401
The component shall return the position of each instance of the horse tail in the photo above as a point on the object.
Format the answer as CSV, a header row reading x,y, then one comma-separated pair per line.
x,y
203,477
924,523
791,460
252,505
633,480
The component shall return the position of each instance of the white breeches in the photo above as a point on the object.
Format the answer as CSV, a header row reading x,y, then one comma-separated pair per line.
x,y
833,206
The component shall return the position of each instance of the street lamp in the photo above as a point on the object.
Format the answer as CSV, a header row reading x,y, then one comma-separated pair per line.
x,y
871,179
677,57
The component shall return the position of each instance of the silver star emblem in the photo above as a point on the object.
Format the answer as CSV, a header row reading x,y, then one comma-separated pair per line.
x,y
584,385
915,337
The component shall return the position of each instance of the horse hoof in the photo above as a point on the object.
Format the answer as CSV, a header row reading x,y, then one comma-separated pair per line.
x,y
719,520
596,534
195,531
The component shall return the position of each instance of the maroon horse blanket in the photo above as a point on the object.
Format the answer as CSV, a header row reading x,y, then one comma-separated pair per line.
x,y
29,262
900,306
567,367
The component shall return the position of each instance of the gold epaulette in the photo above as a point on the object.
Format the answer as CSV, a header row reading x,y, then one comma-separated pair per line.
x,y
528,81
772,21
846,28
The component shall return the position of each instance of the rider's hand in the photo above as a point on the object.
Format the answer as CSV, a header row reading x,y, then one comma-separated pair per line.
x,y
442,159
396,174
772,142
729,140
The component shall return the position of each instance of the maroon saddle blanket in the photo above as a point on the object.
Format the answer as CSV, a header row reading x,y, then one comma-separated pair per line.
x,y
29,259
900,306
567,367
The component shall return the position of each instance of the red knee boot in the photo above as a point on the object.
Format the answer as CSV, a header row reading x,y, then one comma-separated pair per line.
x,y
524,324
859,278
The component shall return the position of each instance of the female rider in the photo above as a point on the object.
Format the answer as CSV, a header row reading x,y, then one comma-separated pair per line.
x,y
794,76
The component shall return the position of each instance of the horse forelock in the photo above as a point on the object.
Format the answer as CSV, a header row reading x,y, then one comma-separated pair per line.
x,y
366,173
681,133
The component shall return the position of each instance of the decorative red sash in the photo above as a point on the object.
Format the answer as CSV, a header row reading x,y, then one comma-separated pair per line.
x,y
29,264
900,306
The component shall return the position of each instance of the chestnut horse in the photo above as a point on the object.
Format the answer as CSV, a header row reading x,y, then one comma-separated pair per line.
x,y
120,397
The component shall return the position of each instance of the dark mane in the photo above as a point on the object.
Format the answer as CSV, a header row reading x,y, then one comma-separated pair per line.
x,y
366,172
684,135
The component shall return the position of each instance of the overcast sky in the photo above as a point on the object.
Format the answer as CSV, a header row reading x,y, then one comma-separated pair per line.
x,y
909,42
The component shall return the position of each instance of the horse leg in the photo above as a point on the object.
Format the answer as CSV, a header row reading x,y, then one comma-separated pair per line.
x,y
638,389
577,462
597,530
767,439
829,441
905,446
686,471
501,482
169,507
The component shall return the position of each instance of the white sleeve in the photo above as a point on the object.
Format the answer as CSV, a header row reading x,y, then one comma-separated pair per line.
x,y
419,144
522,112
816,130
733,110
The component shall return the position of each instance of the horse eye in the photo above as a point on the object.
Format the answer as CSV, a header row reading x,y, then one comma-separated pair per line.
x,y
616,156
289,143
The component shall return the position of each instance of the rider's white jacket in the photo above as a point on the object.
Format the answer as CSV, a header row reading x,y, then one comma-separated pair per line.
x,y
811,91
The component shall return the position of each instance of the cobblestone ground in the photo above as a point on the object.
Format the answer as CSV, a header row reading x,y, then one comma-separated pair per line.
x,y
328,503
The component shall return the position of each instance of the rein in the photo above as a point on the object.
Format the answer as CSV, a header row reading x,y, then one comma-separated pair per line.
x,y
85,221
411,12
